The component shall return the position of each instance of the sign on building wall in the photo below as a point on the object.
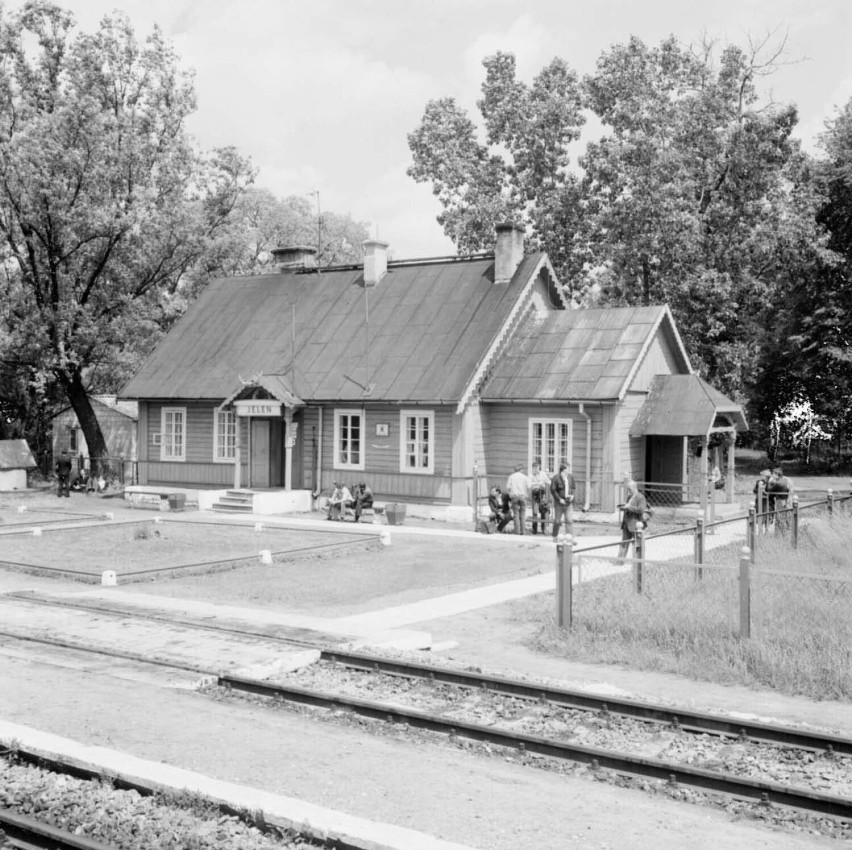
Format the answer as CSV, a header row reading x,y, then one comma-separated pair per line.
x,y
255,407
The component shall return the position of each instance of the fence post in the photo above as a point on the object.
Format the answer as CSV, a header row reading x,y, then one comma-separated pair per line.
x,y
795,532
638,558
564,591
699,547
751,529
830,501
745,592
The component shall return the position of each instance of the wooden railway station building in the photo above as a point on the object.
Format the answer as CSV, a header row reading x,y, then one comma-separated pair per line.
x,y
428,379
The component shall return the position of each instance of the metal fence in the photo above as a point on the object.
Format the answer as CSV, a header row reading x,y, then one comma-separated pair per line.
x,y
704,579
114,470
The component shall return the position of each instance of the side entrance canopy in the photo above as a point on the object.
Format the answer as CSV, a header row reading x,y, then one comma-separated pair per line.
x,y
686,406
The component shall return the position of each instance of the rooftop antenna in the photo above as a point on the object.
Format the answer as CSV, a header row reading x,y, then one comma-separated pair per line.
x,y
319,230
367,387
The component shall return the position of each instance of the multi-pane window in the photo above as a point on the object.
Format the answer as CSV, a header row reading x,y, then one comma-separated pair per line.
x,y
550,443
173,423
417,438
348,439
225,436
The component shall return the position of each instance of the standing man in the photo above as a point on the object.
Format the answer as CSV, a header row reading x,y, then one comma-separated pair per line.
x,y
518,486
63,473
634,513
780,489
563,488
540,496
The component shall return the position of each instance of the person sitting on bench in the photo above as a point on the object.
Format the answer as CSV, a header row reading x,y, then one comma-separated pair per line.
x,y
501,509
363,499
340,499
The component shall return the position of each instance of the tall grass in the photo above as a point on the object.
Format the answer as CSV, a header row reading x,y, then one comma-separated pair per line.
x,y
687,622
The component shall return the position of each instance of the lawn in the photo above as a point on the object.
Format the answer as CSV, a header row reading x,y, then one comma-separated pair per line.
x,y
132,548
687,622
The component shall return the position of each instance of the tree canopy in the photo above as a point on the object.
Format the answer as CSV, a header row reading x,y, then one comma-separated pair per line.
x,y
694,193
104,200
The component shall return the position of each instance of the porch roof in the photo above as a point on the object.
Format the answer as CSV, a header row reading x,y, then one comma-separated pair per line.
x,y
276,385
684,406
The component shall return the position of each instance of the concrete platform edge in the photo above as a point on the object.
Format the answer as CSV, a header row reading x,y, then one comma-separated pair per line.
x,y
288,812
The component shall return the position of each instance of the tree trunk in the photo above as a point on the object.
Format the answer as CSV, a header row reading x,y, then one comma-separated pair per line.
x,y
81,404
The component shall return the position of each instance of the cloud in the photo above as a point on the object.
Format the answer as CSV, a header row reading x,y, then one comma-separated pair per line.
x,y
527,38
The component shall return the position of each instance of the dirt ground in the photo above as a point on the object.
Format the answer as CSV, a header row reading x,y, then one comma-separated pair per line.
x,y
486,803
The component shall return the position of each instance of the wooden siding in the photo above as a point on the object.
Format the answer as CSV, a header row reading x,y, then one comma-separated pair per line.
x,y
198,466
660,359
119,432
631,449
506,434
382,455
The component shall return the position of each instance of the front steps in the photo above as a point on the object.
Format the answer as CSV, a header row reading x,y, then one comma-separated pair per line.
x,y
235,502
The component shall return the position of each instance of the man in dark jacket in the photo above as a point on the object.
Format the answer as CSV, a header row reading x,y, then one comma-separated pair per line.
x,y
63,473
563,488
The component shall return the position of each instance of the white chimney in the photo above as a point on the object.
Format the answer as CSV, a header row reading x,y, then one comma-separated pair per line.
x,y
294,257
508,251
375,261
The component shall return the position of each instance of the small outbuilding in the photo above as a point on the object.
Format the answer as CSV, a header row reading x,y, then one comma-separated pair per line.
x,y
15,460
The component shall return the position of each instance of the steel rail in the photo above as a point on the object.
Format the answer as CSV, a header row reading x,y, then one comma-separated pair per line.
x,y
686,720
760,791
25,833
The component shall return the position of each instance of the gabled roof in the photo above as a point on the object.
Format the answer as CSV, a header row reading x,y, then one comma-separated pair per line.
x,y
429,326
276,386
684,406
130,409
16,454
578,354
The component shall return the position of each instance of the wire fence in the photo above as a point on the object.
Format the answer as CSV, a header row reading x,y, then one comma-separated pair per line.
x,y
782,576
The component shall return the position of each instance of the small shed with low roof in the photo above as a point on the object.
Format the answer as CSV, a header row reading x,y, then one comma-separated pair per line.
x,y
15,460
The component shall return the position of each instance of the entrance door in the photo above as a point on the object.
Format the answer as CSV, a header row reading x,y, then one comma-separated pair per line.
x,y
664,465
259,474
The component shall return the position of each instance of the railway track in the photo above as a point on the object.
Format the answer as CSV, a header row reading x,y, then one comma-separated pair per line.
x,y
675,773
26,833
603,711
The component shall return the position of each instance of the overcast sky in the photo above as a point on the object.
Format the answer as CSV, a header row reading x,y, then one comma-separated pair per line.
x,y
322,94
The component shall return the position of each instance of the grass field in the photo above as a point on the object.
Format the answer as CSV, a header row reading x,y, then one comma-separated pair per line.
x,y
131,548
800,617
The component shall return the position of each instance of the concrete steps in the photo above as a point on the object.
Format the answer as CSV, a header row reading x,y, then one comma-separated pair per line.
x,y
235,502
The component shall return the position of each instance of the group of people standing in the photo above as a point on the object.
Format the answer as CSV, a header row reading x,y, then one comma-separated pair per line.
x,y
772,493
542,493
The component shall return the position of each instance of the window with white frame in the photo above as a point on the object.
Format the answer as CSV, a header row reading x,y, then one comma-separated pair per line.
x,y
348,439
417,441
173,427
550,443
224,436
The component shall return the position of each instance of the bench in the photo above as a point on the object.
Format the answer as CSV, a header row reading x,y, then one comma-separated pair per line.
x,y
157,499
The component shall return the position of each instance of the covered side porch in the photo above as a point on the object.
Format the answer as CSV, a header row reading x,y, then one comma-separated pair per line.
x,y
689,431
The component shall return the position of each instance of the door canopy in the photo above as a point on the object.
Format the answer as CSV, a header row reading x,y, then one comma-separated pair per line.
x,y
686,406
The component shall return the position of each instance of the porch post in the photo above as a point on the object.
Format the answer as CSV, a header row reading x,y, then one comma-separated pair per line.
x,y
288,448
729,490
238,428
705,477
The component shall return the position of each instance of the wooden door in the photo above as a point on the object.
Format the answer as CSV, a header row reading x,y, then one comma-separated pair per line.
x,y
259,453
276,453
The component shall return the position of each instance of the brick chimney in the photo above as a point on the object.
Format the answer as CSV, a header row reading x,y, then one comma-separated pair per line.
x,y
375,261
508,251
294,257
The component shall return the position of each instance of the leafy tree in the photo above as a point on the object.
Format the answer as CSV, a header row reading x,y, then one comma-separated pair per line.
x,y
261,222
807,346
104,201
522,173
695,195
